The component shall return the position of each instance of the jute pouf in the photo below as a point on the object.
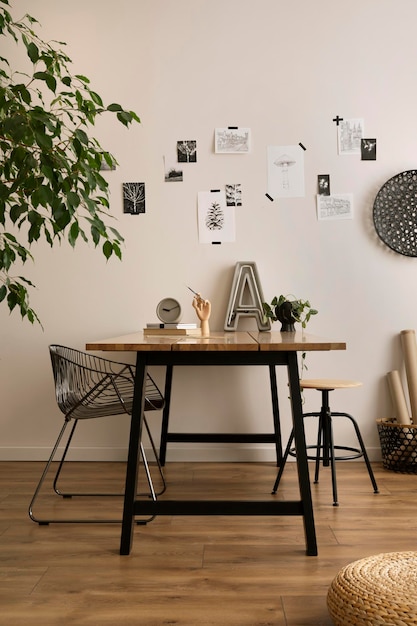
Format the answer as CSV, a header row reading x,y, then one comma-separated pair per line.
x,y
379,590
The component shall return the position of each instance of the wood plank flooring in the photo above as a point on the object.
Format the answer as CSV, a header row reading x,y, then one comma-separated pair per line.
x,y
192,571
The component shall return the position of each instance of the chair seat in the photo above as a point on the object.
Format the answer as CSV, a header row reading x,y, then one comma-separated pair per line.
x,y
327,384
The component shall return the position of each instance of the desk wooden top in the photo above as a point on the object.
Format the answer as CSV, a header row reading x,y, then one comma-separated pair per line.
x,y
217,341
296,341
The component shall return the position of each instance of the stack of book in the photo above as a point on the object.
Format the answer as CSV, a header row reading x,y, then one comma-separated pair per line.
x,y
171,329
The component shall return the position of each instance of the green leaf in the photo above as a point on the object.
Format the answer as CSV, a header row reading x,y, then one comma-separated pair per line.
x,y
73,199
82,78
114,107
3,292
33,52
48,78
16,211
96,98
81,136
117,251
124,117
73,233
107,249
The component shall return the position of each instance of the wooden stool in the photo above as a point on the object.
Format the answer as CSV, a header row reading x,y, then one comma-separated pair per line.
x,y
375,591
325,448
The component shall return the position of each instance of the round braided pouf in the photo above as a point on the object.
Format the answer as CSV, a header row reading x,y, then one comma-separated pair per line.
x,y
379,590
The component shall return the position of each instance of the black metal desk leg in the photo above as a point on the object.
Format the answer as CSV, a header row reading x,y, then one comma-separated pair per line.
x,y
275,412
301,454
165,415
133,457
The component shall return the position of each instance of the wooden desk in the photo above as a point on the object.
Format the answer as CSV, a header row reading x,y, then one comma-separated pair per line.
x,y
230,348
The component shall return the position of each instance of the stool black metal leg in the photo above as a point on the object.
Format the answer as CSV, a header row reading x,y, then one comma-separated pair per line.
x,y
320,446
363,449
332,459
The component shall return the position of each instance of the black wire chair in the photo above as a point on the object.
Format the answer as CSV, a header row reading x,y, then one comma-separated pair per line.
x,y
89,387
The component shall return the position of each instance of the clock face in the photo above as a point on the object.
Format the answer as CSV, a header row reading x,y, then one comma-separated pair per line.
x,y
169,310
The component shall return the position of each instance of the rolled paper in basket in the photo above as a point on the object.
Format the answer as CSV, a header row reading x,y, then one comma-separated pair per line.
x,y
408,340
398,397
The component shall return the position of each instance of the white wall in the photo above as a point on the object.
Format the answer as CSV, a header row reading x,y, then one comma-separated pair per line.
x,y
284,69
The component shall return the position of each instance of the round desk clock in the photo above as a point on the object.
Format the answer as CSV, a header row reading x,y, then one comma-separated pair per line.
x,y
395,213
169,311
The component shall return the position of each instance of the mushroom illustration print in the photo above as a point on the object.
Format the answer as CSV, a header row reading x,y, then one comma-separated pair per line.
x,y
284,162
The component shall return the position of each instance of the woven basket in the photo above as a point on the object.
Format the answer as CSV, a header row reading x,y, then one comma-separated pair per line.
x,y
398,446
376,591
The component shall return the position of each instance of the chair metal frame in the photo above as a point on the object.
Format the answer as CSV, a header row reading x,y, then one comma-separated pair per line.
x,y
90,387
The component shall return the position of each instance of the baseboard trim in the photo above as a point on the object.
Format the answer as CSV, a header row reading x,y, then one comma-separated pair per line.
x,y
176,453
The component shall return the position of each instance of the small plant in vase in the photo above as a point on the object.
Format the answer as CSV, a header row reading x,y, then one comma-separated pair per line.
x,y
288,310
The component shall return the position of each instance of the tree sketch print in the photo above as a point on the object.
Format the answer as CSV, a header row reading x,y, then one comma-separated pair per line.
x,y
215,217
187,151
134,198
234,195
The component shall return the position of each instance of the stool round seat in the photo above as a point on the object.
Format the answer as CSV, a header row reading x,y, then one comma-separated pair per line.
x,y
328,384
376,591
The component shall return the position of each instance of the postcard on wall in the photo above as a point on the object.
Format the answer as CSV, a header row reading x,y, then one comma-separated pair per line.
x,y
336,207
216,220
368,149
187,151
350,133
323,184
286,171
232,140
134,198
173,172
234,195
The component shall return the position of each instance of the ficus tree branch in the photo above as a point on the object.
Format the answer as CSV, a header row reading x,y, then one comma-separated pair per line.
x,y
51,187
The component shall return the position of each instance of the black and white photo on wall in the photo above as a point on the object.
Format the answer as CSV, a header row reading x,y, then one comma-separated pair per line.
x,y
173,173
234,195
134,198
187,151
368,149
323,185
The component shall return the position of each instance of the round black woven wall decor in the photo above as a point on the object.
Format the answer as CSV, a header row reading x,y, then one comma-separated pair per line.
x,y
395,213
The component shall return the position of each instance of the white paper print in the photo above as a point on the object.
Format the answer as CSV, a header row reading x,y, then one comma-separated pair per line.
x,y
216,220
336,207
286,171
232,140
350,133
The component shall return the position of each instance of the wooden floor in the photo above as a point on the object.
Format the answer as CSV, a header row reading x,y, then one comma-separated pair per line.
x,y
192,571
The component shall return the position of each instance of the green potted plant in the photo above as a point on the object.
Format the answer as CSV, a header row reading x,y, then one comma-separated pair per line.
x,y
51,184
288,310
